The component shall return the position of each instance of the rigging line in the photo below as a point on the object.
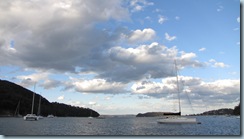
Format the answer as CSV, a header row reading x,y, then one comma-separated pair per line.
x,y
177,81
188,98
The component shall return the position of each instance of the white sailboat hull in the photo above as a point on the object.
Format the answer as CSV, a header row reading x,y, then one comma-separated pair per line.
x,y
31,117
178,120
50,116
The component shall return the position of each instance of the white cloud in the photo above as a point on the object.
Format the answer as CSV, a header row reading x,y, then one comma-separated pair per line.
x,y
61,97
152,88
50,83
220,64
177,18
187,56
169,38
98,86
162,19
211,93
212,60
217,64
30,80
157,10
49,37
107,98
148,18
146,61
202,49
165,88
220,8
76,103
92,103
238,19
142,35
139,5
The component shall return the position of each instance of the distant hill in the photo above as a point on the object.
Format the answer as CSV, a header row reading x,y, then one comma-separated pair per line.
x,y
155,114
11,94
236,110
224,111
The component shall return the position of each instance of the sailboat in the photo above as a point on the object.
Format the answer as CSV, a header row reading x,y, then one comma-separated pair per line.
x,y
31,117
176,118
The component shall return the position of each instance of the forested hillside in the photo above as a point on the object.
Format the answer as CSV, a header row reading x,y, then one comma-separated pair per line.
x,y
11,94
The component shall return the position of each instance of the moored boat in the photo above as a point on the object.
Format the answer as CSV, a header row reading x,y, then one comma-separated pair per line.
x,y
177,118
31,117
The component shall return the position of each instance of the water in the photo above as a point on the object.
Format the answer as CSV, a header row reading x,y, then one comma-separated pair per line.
x,y
211,125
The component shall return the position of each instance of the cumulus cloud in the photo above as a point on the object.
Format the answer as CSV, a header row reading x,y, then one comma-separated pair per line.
x,y
142,35
49,35
98,86
50,83
220,64
139,5
32,79
217,64
54,40
169,38
162,19
167,87
146,61
216,92
152,88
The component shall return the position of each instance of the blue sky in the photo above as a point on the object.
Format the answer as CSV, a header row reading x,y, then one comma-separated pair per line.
x,y
117,57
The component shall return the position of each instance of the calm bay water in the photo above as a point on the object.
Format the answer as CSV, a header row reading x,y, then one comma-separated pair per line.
x,y
211,125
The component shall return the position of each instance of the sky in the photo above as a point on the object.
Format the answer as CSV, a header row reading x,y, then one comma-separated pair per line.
x,y
121,56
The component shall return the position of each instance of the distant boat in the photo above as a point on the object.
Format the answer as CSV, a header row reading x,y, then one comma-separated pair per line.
x,y
177,118
50,116
31,116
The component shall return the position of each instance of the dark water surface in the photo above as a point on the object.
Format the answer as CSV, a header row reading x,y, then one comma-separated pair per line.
x,y
211,125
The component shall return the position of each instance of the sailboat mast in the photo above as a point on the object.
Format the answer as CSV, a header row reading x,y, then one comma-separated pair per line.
x,y
17,109
178,90
32,108
39,108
